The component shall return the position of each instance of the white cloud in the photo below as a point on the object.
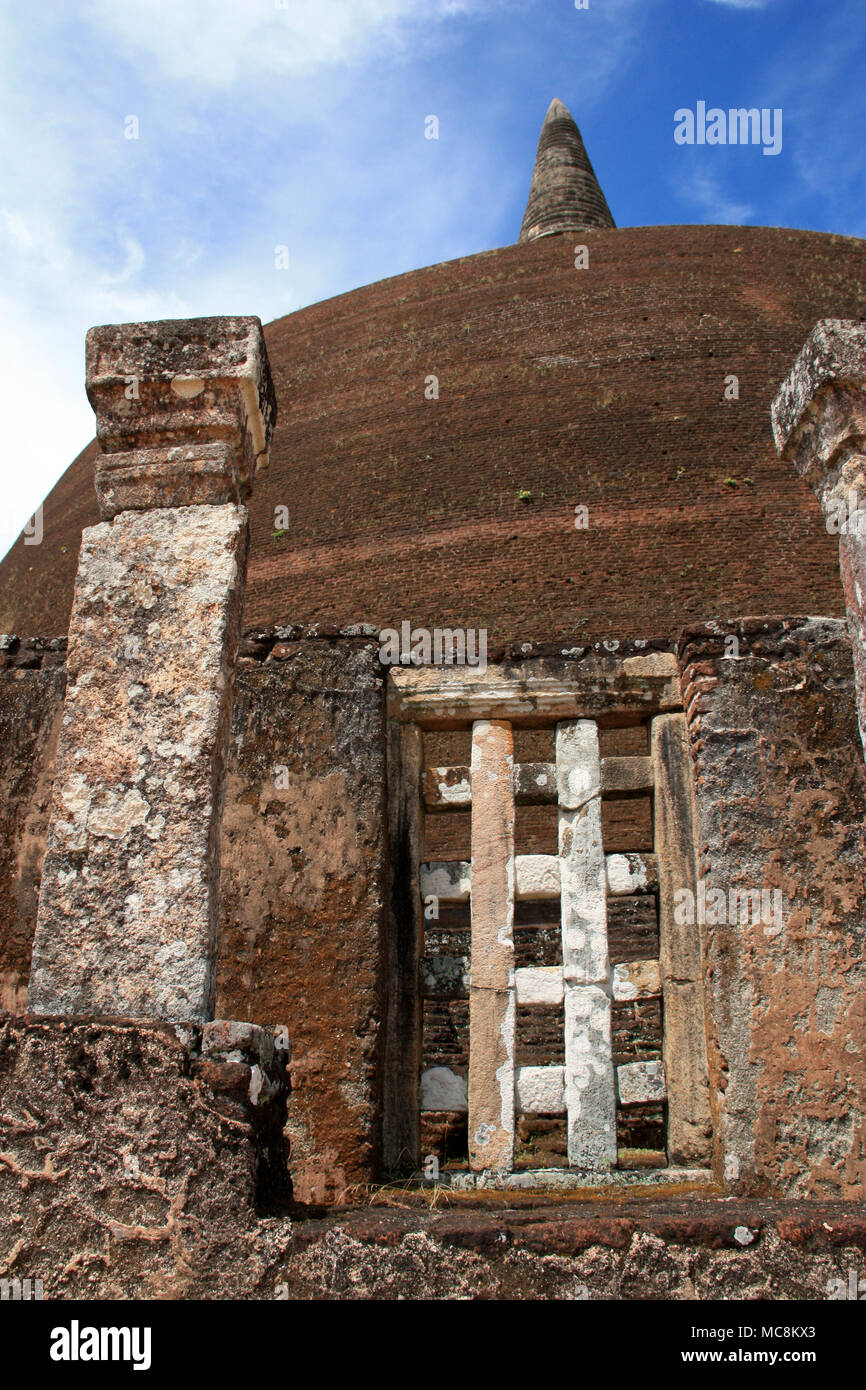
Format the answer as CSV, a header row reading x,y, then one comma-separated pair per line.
x,y
705,192
239,150
216,42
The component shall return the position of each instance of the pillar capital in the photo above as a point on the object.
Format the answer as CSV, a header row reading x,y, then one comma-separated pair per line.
x,y
819,423
819,413
185,411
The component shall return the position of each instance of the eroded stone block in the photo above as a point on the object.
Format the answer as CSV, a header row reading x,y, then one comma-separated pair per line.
x,y
640,1082
781,801
443,1089
541,1090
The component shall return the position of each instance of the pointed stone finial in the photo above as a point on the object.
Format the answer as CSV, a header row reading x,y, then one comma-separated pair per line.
x,y
565,195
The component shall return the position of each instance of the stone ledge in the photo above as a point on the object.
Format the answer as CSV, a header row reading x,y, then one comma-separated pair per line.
x,y
711,635
554,1229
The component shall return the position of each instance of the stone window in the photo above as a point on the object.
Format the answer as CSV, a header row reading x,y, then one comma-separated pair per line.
x,y
541,821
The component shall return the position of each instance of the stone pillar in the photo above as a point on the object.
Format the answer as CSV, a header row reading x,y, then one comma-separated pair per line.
x,y
689,1127
819,423
127,914
589,1081
492,1005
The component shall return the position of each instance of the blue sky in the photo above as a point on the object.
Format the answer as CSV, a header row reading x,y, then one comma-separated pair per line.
x,y
300,123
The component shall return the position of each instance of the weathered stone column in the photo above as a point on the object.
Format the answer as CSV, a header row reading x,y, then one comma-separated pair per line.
x,y
492,1006
819,423
128,903
590,1093
685,1036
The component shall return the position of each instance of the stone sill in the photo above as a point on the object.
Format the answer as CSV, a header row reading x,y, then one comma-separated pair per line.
x,y
572,1180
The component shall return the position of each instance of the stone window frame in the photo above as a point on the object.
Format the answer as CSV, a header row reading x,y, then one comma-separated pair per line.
x,y
573,697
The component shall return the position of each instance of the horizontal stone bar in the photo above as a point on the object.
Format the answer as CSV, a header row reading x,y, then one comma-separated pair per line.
x,y
639,979
444,977
448,880
571,1180
640,1082
540,1090
442,1089
626,776
539,984
538,693
537,876
629,874
534,783
449,788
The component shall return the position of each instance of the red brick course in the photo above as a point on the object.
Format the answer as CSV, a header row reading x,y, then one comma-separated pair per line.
x,y
602,386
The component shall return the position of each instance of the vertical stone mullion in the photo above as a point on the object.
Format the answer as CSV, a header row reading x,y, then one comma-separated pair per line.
x,y
403,1030
689,1126
589,1077
492,1004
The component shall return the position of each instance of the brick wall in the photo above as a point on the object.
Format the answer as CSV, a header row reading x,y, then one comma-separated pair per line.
x,y
602,387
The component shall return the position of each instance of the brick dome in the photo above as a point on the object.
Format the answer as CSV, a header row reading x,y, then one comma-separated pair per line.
x,y
558,387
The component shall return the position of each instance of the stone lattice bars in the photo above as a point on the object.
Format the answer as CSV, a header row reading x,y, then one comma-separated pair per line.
x,y
128,903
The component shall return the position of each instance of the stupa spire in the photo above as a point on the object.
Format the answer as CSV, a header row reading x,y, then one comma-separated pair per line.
x,y
565,195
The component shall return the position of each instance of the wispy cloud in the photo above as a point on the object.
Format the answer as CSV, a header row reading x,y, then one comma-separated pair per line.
x,y
216,42
252,119
744,4
705,192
